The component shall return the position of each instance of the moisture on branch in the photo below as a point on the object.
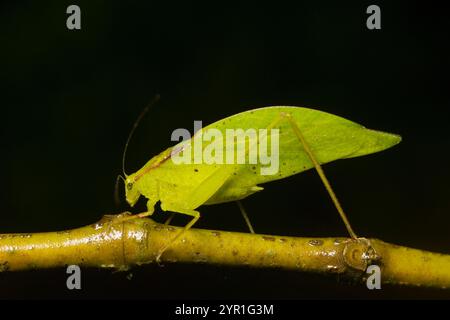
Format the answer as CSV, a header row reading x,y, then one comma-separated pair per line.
x,y
121,245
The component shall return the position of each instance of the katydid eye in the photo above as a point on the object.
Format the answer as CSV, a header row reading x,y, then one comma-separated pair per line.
x,y
129,185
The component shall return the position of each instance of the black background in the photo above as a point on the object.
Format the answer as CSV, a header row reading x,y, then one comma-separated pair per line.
x,y
69,99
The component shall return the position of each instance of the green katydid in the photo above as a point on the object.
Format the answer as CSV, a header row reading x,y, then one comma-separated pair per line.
x,y
306,139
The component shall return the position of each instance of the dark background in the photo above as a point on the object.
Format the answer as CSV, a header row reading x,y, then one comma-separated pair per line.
x,y
69,99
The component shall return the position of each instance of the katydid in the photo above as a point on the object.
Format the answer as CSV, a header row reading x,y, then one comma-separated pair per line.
x,y
306,138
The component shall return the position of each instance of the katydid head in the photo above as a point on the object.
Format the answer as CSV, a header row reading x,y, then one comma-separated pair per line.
x,y
131,191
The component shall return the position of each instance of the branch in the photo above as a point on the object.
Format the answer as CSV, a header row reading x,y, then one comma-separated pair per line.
x,y
121,245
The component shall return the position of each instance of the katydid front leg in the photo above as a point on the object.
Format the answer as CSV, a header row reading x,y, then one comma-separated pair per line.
x,y
148,213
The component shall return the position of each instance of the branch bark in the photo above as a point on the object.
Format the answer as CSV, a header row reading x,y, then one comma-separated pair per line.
x,y
121,245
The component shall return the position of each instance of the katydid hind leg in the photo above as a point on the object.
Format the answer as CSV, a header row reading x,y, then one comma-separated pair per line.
x,y
288,117
320,171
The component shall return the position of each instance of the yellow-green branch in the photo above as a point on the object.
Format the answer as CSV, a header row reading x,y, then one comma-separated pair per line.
x,y
108,244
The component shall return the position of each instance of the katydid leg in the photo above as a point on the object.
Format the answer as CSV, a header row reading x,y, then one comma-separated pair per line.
x,y
288,117
244,214
318,167
169,219
193,213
